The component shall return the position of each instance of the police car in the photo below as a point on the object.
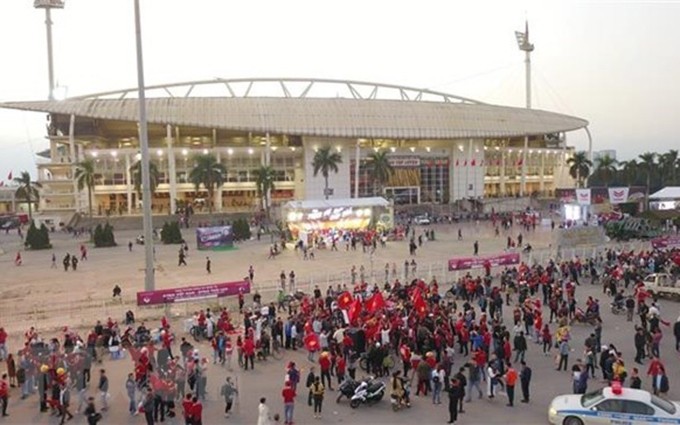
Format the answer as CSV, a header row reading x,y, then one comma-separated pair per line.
x,y
613,406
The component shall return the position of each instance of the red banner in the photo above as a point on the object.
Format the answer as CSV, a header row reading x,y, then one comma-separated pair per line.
x,y
192,293
465,263
666,242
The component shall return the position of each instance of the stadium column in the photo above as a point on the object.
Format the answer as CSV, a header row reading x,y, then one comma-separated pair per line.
x,y
268,159
452,179
171,169
128,183
502,173
73,160
542,153
218,201
523,178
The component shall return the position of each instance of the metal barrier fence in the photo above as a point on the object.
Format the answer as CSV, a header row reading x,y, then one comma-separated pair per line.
x,y
84,313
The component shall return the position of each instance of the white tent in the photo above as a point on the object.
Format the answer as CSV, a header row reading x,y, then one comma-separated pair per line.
x,y
669,192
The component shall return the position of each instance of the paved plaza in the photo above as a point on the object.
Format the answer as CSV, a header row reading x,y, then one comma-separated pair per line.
x,y
36,294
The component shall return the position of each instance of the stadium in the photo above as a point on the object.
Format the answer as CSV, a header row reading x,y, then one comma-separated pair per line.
x,y
443,148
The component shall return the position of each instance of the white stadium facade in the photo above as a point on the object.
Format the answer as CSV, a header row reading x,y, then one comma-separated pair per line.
x,y
443,147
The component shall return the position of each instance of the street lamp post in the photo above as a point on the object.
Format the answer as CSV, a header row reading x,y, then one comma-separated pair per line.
x,y
48,5
525,46
149,281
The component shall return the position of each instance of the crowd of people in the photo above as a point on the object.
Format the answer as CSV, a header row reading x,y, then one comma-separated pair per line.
x,y
400,332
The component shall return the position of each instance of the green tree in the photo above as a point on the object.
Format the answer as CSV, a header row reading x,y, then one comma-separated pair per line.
x,y
628,172
606,168
381,170
84,176
27,190
209,173
579,167
136,175
324,162
265,176
648,164
669,167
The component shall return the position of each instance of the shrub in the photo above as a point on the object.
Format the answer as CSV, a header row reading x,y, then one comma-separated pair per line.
x,y
37,238
103,236
171,233
241,229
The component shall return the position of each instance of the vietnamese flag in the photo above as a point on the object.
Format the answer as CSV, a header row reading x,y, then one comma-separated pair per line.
x,y
9,176
457,163
345,300
520,162
473,163
375,303
311,342
305,304
465,163
354,311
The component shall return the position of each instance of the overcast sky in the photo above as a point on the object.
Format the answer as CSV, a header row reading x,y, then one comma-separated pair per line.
x,y
614,63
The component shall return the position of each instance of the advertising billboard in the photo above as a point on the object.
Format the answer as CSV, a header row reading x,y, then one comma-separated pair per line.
x,y
218,237
466,263
192,293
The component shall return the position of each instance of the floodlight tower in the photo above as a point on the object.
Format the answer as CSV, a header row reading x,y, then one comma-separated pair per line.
x,y
525,46
48,5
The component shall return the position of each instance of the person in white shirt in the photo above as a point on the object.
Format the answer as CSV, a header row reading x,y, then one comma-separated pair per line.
x,y
263,417
385,337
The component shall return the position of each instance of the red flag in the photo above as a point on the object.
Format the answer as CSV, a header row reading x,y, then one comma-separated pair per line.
x,y
2,183
311,342
420,305
9,176
498,163
345,300
375,303
465,163
520,162
354,311
457,163
473,163
305,304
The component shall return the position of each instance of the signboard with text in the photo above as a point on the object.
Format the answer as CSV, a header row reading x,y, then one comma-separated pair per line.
x,y
666,242
466,263
214,237
192,293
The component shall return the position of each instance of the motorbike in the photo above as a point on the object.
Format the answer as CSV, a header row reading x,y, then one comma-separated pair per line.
x,y
617,308
399,403
369,391
582,317
347,389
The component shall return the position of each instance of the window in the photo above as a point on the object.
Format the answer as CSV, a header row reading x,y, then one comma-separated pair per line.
x,y
611,405
589,399
664,405
637,408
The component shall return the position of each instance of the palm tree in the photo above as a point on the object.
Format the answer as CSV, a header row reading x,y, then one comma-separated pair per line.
x,y
381,169
629,170
326,161
606,167
265,176
27,190
648,163
669,165
579,167
136,175
209,173
84,176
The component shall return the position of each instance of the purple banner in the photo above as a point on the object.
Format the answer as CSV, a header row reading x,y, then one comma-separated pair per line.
x,y
192,293
666,242
214,237
465,263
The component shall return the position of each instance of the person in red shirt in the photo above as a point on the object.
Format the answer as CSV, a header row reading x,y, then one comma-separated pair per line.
x,y
3,344
4,394
340,367
187,404
196,411
288,394
249,352
510,381
325,365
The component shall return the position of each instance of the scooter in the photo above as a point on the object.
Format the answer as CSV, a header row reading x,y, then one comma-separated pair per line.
x,y
581,317
347,389
399,403
617,308
368,392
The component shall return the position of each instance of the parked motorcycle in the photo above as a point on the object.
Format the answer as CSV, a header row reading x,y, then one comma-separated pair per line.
x,y
369,391
347,389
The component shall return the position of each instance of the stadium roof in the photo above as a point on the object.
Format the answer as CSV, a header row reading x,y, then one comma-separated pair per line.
x,y
411,114
338,203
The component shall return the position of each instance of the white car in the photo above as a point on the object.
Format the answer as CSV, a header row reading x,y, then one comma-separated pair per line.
x,y
422,219
612,406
